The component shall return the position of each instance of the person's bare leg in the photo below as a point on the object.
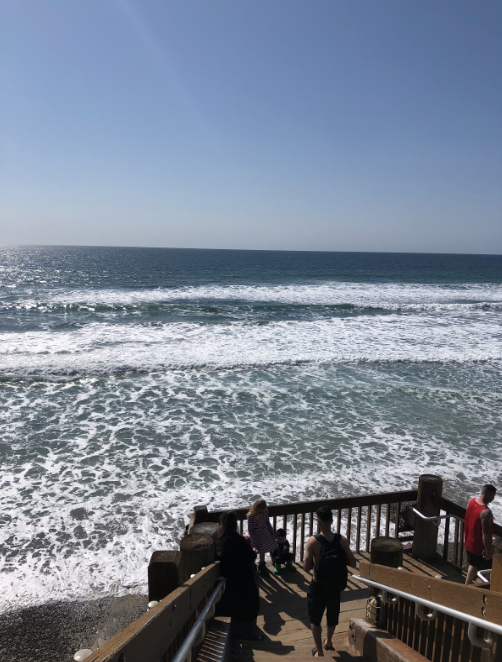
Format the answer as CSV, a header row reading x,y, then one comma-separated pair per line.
x,y
329,636
317,634
472,571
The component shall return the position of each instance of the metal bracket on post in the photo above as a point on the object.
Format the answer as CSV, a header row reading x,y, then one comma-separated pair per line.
x,y
389,599
483,575
424,614
486,643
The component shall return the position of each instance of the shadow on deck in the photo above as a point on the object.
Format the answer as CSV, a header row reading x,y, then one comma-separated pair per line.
x,y
284,622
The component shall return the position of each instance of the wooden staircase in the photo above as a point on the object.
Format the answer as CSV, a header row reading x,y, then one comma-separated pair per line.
x,y
284,623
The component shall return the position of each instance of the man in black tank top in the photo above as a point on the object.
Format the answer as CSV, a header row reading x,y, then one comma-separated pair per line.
x,y
328,555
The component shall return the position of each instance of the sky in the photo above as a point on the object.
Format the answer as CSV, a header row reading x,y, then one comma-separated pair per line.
x,y
347,125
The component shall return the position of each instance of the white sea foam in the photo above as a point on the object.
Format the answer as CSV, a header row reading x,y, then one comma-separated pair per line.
x,y
390,296
99,470
122,461
107,348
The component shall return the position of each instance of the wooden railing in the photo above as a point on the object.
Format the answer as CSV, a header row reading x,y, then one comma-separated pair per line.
x,y
157,635
452,533
443,639
359,518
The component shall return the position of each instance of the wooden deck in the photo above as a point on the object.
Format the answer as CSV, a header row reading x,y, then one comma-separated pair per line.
x,y
283,618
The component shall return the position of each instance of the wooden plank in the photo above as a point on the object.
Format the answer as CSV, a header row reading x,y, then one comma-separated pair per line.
x,y
467,599
461,550
311,525
456,640
337,503
446,541
455,543
302,539
295,531
368,528
396,529
378,518
401,610
387,520
202,584
349,522
358,528
409,622
431,635
439,638
339,520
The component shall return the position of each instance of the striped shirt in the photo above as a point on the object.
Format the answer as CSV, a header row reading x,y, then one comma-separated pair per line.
x,y
261,533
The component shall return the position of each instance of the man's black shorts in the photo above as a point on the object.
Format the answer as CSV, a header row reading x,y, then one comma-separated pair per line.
x,y
478,561
320,600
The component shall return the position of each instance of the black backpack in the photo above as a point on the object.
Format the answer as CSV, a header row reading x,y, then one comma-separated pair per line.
x,y
332,571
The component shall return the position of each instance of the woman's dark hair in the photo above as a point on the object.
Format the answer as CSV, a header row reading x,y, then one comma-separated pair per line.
x,y
228,529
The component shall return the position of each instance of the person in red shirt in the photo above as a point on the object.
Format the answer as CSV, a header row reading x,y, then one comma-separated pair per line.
x,y
478,533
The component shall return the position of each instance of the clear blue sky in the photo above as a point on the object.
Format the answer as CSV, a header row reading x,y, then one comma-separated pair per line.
x,y
275,124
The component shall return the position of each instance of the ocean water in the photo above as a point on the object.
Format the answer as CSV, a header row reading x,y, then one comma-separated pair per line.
x,y
137,383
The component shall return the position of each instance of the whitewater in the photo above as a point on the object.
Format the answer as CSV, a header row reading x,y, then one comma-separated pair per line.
x,y
136,384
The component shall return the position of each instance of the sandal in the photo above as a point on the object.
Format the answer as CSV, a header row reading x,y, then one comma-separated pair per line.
x,y
314,651
329,648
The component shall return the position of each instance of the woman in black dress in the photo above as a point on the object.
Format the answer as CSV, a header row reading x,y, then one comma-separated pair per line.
x,y
240,600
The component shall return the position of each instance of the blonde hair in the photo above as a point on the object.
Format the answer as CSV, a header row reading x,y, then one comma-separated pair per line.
x,y
258,506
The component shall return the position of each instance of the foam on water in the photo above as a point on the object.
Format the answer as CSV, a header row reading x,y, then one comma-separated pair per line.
x,y
105,348
122,461
393,296
123,407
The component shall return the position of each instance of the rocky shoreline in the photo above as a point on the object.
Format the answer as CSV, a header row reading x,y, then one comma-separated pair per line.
x,y
54,631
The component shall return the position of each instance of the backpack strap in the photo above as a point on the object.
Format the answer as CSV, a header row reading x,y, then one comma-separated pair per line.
x,y
336,539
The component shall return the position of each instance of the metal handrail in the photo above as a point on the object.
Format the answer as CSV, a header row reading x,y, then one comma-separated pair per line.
x,y
482,573
436,517
479,622
185,648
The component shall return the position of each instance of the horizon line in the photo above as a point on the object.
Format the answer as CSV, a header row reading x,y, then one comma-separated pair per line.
x,y
256,250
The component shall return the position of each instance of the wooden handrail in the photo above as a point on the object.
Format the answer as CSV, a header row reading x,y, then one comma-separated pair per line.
x,y
149,637
468,599
339,503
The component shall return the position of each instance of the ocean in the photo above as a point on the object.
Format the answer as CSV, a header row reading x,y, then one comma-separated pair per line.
x,y
137,383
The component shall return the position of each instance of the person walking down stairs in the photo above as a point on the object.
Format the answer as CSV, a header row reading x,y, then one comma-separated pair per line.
x,y
328,555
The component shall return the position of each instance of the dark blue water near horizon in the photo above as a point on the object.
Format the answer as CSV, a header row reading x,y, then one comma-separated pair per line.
x,y
171,267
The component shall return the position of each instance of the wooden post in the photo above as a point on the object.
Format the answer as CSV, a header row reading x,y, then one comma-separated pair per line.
x,y
199,515
210,528
425,537
387,551
197,552
496,578
163,574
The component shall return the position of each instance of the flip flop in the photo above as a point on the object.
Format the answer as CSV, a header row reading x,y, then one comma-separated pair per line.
x,y
314,651
329,648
